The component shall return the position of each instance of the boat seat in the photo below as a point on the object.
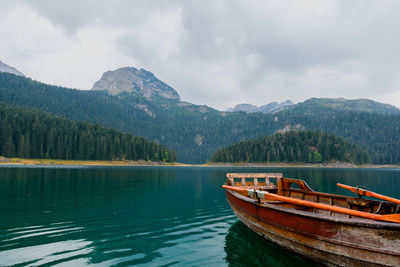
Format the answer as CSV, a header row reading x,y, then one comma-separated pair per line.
x,y
256,182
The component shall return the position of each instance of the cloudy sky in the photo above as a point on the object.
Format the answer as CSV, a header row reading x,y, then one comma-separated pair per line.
x,y
218,53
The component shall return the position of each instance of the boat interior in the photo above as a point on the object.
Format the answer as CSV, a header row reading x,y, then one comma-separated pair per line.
x,y
298,189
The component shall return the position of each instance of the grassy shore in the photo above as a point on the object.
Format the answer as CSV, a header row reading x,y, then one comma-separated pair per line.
x,y
22,161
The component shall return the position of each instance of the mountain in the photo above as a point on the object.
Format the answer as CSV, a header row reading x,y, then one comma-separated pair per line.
x,y
293,146
248,108
139,82
275,106
5,68
196,132
314,105
268,108
193,131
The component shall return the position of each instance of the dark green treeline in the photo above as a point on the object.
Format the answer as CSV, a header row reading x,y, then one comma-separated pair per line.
x,y
293,146
34,134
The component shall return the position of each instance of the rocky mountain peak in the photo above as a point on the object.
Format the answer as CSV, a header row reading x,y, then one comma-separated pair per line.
x,y
248,108
136,81
5,68
268,108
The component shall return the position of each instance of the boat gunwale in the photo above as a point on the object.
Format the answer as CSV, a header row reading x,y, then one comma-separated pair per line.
x,y
348,221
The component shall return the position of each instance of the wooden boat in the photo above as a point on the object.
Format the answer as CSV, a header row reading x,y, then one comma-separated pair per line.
x,y
331,229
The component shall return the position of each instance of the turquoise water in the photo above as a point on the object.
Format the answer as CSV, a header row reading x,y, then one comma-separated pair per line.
x,y
144,216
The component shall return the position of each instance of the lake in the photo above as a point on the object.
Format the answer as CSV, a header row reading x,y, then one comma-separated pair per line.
x,y
145,216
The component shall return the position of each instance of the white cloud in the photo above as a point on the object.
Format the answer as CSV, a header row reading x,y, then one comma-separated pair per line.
x,y
47,53
218,53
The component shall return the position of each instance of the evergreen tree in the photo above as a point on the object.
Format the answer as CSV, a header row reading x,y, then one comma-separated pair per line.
x,y
318,157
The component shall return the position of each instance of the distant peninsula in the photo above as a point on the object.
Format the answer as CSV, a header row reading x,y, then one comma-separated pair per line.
x,y
293,147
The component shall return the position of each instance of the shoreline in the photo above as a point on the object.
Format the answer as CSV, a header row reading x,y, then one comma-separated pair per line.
x,y
127,163
304,165
61,162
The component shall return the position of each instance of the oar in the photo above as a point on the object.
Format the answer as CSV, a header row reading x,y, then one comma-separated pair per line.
x,y
363,192
271,196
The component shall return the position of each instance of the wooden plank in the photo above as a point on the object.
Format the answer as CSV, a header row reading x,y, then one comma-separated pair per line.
x,y
254,175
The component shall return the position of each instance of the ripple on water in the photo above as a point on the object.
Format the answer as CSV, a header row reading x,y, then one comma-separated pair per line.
x,y
45,253
120,247
45,231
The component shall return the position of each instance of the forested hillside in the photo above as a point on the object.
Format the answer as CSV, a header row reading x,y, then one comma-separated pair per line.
x,y
196,132
378,133
293,146
34,134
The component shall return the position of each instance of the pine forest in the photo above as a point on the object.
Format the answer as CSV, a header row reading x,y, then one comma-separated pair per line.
x,y
34,134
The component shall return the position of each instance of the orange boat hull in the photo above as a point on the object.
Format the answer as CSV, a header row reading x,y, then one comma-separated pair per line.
x,y
333,241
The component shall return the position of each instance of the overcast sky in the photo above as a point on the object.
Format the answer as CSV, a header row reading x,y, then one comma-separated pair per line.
x,y
218,53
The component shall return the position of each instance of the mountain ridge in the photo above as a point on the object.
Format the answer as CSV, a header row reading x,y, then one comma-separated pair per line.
x,y
267,108
194,131
8,69
315,104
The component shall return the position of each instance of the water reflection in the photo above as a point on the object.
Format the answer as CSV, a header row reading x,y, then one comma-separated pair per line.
x,y
143,216
112,216
245,248
46,253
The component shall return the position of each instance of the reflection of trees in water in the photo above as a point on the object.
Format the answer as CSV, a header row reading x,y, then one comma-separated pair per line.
x,y
117,215
243,247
